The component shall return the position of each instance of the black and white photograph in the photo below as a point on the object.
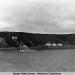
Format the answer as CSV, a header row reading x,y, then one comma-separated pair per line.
x,y
37,35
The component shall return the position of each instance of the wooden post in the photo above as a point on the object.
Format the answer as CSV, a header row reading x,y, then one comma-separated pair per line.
x,y
20,45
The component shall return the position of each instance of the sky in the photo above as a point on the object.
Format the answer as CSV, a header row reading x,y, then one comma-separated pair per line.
x,y
38,16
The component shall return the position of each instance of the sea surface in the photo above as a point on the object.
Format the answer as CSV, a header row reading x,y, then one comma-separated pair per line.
x,y
60,60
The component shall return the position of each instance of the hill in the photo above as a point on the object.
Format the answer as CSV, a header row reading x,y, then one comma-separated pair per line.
x,y
14,39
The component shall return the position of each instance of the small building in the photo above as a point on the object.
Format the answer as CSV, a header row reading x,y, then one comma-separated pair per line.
x,y
48,44
59,44
54,44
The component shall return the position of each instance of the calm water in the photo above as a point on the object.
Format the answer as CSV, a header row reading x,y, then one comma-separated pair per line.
x,y
50,60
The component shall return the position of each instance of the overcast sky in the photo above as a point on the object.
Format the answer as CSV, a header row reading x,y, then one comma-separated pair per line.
x,y
38,16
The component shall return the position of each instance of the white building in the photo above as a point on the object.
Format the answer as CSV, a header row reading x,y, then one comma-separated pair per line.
x,y
54,44
59,44
48,44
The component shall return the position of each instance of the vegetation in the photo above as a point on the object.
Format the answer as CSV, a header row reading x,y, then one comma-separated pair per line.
x,y
35,41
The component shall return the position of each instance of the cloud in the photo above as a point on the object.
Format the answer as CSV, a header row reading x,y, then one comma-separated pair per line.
x,y
68,24
43,16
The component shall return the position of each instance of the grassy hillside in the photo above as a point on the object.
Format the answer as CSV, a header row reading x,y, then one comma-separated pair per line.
x,y
34,40
3,43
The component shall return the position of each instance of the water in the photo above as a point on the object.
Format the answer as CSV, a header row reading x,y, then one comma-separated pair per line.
x,y
50,60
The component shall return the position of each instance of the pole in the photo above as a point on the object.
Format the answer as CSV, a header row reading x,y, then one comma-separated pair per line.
x,y
16,41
